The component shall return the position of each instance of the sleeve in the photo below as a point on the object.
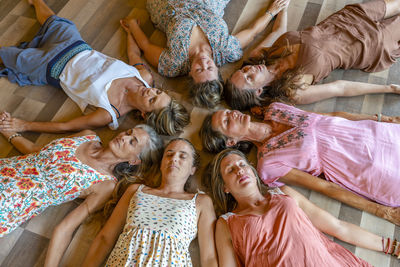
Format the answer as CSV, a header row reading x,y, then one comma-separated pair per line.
x,y
170,64
271,170
233,50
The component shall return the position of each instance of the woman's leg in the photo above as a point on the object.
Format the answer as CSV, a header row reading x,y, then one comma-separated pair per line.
x,y
43,11
392,8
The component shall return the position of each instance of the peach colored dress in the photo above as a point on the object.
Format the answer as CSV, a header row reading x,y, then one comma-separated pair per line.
x,y
362,156
355,37
284,236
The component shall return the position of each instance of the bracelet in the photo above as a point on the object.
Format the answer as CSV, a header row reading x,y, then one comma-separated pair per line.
x,y
270,13
378,117
11,137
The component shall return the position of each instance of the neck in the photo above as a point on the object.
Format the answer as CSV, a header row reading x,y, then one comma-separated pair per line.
x,y
249,201
171,185
200,48
104,158
258,132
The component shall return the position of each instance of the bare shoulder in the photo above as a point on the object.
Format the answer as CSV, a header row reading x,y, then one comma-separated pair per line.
x,y
221,224
104,187
203,200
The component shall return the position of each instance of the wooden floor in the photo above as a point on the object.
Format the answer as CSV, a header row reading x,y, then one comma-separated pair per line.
x,y
98,22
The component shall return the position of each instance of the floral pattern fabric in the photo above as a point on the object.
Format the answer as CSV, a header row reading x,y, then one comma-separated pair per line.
x,y
33,182
177,18
157,232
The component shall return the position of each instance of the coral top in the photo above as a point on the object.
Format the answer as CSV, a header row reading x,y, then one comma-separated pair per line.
x,y
355,37
362,156
284,236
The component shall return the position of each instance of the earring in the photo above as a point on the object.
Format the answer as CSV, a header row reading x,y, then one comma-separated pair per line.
x,y
226,193
126,91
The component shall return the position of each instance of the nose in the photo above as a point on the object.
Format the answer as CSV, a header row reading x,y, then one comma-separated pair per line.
x,y
240,170
151,91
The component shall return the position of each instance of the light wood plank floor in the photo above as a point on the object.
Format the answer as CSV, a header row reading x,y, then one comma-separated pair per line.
x,y
98,22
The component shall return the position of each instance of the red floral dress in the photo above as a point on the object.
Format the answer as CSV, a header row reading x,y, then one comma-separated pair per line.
x,y
33,182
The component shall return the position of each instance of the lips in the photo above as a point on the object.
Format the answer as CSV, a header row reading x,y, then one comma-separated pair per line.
x,y
243,178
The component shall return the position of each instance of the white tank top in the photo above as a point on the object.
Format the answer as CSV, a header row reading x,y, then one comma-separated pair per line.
x,y
87,77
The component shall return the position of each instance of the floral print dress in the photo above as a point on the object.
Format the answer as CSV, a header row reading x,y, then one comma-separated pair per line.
x,y
157,232
177,18
31,183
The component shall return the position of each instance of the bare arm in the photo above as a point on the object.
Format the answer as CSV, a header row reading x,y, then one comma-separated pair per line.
x,y
63,232
226,253
329,224
279,28
246,36
206,227
360,117
134,54
314,93
98,118
151,51
106,238
300,178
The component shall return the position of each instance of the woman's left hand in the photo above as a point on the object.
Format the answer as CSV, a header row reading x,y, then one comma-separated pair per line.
x,y
278,5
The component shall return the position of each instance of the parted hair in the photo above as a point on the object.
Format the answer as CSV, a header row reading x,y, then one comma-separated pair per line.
x,y
212,180
207,94
169,120
215,141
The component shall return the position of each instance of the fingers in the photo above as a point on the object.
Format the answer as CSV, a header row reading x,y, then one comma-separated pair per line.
x,y
278,5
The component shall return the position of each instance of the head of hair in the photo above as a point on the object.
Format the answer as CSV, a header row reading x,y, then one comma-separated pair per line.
x,y
128,174
169,120
215,141
195,156
206,94
282,89
213,180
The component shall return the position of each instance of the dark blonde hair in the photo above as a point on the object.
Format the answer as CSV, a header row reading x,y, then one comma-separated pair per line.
x,y
169,120
215,141
282,89
212,179
206,94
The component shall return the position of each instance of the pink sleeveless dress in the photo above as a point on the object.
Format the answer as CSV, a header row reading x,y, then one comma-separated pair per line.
x,y
284,236
362,156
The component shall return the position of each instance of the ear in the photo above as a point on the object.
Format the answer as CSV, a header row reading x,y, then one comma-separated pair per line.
x,y
226,190
193,171
230,142
143,114
259,91
136,161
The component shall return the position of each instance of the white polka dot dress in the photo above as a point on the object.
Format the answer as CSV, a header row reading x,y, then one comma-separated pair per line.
x,y
157,232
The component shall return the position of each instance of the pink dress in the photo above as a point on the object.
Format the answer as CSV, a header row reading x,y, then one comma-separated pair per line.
x,y
362,156
284,236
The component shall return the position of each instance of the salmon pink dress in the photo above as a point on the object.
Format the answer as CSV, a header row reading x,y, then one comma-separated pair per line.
x,y
284,236
362,156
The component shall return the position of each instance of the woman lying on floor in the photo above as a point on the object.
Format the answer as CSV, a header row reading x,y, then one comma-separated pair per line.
x,y
66,169
279,227
57,55
362,36
155,226
353,151
198,42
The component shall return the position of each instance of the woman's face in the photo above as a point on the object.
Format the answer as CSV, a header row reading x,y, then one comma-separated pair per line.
x,y
149,99
203,69
237,174
231,123
129,144
177,161
252,77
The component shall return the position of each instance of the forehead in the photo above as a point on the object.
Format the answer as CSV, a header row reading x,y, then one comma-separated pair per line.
x,y
238,80
141,135
231,159
179,146
163,100
216,119
205,75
